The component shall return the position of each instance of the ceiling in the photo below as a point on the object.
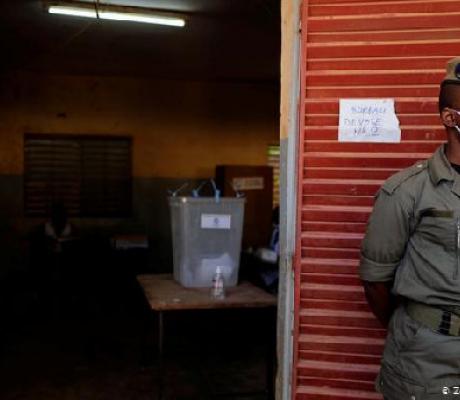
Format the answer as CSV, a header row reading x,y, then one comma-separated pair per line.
x,y
222,40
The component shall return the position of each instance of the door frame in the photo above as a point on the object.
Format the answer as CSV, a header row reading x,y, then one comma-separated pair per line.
x,y
289,145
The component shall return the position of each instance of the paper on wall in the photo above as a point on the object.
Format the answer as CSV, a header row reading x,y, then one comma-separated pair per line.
x,y
368,120
250,183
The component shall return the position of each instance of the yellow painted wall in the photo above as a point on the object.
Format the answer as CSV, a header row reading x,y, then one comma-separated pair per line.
x,y
179,128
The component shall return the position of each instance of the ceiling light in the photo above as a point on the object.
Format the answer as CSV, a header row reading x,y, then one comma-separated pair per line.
x,y
104,13
146,18
74,11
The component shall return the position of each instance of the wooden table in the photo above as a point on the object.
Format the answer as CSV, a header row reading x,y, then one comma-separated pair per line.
x,y
164,294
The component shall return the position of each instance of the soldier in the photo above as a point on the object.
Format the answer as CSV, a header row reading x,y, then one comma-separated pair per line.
x,y
410,266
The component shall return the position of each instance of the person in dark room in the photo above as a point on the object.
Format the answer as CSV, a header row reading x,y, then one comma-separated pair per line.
x,y
58,229
410,266
51,256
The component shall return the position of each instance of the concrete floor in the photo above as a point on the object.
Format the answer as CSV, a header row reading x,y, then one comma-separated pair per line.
x,y
109,353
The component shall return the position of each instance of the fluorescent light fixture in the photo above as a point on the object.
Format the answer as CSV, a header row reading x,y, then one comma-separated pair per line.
x,y
117,15
146,18
74,11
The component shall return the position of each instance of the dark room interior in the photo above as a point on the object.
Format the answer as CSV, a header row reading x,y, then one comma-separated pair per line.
x,y
169,105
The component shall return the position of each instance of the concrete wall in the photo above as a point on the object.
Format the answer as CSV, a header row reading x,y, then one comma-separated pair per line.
x,y
180,131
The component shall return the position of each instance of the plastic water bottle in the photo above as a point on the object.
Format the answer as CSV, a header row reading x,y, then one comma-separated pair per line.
x,y
217,289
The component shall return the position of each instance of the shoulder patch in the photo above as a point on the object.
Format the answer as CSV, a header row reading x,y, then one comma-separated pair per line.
x,y
394,181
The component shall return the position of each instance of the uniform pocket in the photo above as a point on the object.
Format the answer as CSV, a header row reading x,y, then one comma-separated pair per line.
x,y
397,387
438,232
438,226
405,330
402,334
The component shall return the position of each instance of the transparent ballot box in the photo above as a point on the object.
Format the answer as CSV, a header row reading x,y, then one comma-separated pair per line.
x,y
206,233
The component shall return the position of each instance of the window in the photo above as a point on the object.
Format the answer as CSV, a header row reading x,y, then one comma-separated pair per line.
x,y
90,175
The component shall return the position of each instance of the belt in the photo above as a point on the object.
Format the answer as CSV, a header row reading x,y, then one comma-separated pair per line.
x,y
442,320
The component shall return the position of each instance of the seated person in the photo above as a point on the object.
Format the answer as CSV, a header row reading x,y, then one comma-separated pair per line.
x,y
58,229
52,260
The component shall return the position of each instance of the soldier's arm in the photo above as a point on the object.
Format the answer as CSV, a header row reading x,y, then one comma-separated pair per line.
x,y
382,249
380,299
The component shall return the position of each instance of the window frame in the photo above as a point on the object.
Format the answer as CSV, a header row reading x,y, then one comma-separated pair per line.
x,y
125,210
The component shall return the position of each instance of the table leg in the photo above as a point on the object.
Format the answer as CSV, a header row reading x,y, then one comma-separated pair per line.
x,y
270,355
160,355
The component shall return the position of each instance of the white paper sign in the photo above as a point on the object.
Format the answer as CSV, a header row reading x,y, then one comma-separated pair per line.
x,y
368,120
251,183
216,221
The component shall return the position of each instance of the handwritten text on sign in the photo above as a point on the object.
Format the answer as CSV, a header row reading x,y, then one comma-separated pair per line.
x,y
368,120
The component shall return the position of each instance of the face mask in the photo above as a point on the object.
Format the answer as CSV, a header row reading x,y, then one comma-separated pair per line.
x,y
458,113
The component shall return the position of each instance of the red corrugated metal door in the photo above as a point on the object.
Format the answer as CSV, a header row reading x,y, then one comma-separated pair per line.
x,y
356,49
